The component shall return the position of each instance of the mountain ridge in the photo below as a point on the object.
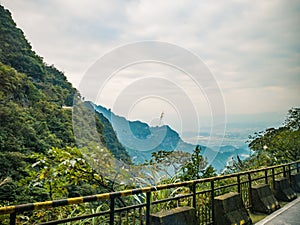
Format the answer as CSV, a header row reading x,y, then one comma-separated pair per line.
x,y
138,132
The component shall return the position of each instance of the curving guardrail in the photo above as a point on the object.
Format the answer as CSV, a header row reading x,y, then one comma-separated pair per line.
x,y
196,193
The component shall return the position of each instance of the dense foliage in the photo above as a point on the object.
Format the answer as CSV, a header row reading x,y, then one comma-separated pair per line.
x,y
181,165
35,122
197,167
280,145
274,145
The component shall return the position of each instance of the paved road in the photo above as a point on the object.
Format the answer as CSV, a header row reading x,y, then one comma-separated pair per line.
x,y
287,215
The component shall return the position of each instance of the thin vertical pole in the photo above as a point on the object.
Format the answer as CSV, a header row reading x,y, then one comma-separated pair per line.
x,y
112,211
12,218
212,185
239,183
141,216
250,190
148,206
290,173
273,177
194,196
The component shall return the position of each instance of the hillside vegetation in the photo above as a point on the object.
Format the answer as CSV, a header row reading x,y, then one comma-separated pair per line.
x,y
34,119
273,146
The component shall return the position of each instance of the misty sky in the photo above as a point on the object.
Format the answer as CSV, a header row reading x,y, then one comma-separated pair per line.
x,y
252,48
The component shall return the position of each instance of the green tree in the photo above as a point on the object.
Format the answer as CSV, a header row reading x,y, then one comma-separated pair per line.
x,y
278,145
167,165
197,168
60,173
179,166
293,119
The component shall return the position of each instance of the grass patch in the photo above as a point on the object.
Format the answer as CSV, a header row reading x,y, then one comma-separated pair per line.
x,y
256,217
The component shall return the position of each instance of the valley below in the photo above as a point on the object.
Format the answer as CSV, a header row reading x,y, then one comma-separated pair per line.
x,y
141,140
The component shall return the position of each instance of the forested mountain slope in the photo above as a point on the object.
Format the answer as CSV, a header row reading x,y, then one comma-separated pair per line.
x,y
33,118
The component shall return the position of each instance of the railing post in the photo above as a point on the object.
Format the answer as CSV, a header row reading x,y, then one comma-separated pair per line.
x,y
266,176
284,171
194,196
250,191
148,207
12,218
112,211
212,185
239,183
273,177
290,173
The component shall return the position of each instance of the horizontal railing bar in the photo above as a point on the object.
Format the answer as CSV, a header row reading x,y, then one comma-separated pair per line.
x,y
66,220
203,191
130,207
244,182
258,178
226,186
127,208
278,173
170,199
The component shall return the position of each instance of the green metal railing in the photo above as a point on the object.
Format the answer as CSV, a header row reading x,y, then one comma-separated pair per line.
x,y
196,193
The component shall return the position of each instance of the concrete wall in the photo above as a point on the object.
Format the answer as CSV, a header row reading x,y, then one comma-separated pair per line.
x,y
295,182
263,199
283,190
178,216
230,209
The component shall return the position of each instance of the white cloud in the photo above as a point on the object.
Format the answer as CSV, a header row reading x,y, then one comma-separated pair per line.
x,y
252,47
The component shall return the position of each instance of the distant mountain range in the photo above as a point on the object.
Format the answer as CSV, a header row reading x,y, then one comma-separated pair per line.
x,y
141,140
223,155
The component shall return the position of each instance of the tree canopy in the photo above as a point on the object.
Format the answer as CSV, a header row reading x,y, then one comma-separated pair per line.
x,y
282,144
274,145
33,116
